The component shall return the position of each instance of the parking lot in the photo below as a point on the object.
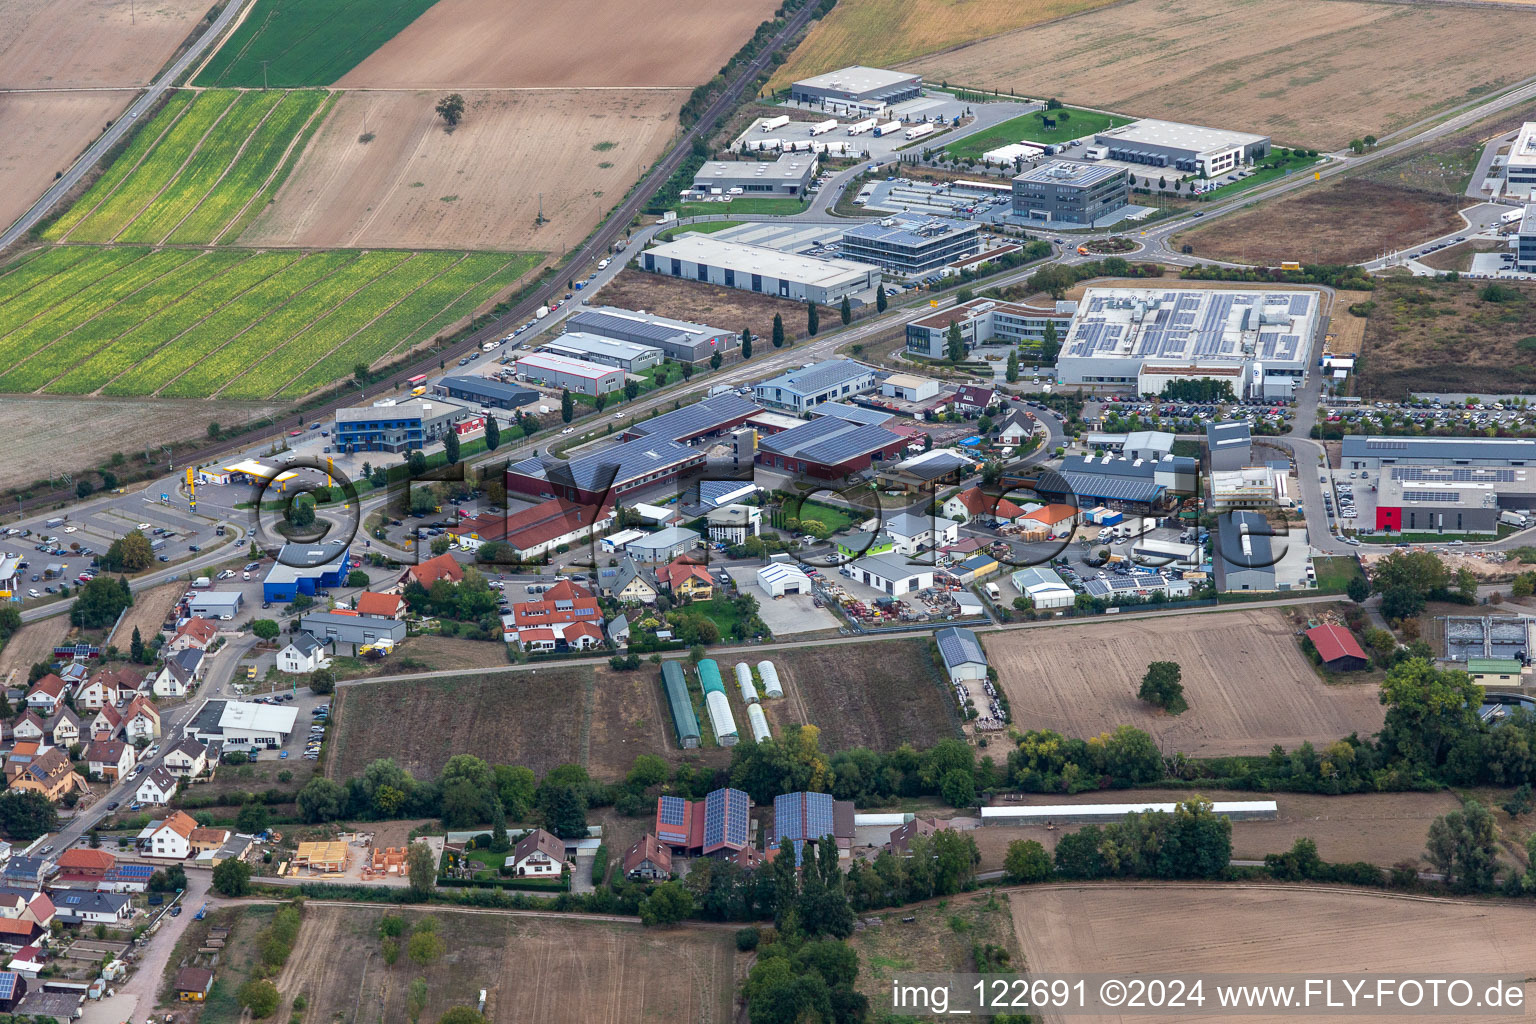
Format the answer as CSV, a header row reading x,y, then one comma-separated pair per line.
x,y
787,615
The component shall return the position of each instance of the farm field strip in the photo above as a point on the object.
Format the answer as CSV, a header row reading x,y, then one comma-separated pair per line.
x,y
47,296
93,342
306,42
268,191
138,269
245,325
474,280
36,268
162,164
146,139
243,181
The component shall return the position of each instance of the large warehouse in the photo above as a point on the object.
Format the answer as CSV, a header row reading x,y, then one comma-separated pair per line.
x,y
678,339
829,448
1259,340
1367,451
857,90
1524,241
1188,148
629,356
789,175
488,392
1520,172
603,476
804,389
911,245
757,268
1450,499
984,320
576,375
702,419
1063,192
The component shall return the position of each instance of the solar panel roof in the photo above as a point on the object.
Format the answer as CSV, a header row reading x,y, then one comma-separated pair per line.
x,y
8,984
672,811
1114,488
959,646
692,420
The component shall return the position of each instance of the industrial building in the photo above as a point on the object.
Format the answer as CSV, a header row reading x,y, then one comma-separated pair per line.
x,y
663,545
1249,487
306,569
575,375
827,381
1185,148
242,725
708,418
910,246
1044,587
857,90
1451,499
988,320
1244,556
811,817
961,653
1141,338
605,475
829,448
1367,451
1520,170
1131,485
1524,241
492,394
216,604
629,356
1469,637
757,268
1064,192
678,339
393,426
1230,446
890,573
909,387
789,175
348,628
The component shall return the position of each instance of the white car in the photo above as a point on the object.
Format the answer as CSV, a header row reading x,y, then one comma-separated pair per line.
x,y
143,526
69,529
567,430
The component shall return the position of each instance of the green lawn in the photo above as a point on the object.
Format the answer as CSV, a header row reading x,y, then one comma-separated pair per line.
x,y
708,228
719,611
766,206
1030,128
834,519
1335,572
306,42
1290,165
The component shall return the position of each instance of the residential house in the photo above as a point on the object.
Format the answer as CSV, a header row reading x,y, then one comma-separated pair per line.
x,y
29,728
17,934
127,878
192,984
912,534
109,759
26,903
29,960
443,567
140,720
537,855
1018,426
30,872
109,686
63,728
50,773
625,583
648,860
82,868
975,505
188,759
686,580
900,843
181,674
195,634
46,694
379,606
618,630
208,840
302,655
970,400
82,908
157,788
566,613
107,723
169,838
13,989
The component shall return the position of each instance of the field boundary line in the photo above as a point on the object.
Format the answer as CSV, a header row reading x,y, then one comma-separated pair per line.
x,y
213,51
282,161
427,117
191,155
113,190
40,252
4,334
412,340
233,160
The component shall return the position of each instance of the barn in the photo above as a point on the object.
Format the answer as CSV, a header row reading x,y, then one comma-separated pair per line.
x,y
1338,648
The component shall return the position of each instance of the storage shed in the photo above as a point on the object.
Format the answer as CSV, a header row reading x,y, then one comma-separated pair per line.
x,y
759,723
709,677
962,653
720,718
684,721
744,681
778,579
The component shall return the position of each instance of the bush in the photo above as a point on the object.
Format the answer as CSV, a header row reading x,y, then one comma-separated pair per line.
x,y
258,996
747,939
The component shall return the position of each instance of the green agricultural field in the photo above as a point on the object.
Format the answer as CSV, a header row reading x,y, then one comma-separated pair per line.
x,y
306,42
1030,128
240,323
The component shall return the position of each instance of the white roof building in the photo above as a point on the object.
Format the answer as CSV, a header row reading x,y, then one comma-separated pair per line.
x,y
758,268
777,579
1044,587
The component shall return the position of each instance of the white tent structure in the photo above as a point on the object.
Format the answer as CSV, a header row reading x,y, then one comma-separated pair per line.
x,y
770,677
759,722
744,680
721,719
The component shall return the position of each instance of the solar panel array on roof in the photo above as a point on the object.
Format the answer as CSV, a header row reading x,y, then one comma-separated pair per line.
x,y
959,646
8,981
693,420
725,820
829,441
1113,488
1454,474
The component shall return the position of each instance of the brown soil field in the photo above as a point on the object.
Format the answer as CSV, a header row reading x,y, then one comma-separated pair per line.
x,y
43,133
149,611
1211,929
29,645
1442,336
432,654
628,716
533,970
82,44
1349,222
1347,330
706,303
1287,68
1379,828
473,44
1246,681
416,186
1459,257
877,695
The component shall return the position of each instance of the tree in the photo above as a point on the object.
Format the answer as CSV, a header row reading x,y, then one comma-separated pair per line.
x,y
1161,687
954,345
425,947
880,299
259,996
1358,589
665,905
1026,861
100,602
499,841
168,879
322,681
1428,710
26,814
416,463
320,800
421,869
846,311
565,810
1013,366
451,109
300,512
567,406
462,1015
129,553
1519,801
136,651
1050,345
778,330
812,320
83,489
416,999
266,629
746,343
357,578
715,359
1463,846
1405,579
253,818
232,878
631,390
958,788
492,434
451,446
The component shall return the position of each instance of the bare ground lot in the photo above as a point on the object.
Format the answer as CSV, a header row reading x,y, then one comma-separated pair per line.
x,y
29,645
42,133
46,44
705,303
1184,928
36,446
1292,69
1348,330
1246,681
1443,336
416,186
1349,222
149,612
877,695
629,716
473,44
1459,257
533,970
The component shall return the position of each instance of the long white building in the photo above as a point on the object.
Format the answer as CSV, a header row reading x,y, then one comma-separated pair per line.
x,y
757,268
1520,171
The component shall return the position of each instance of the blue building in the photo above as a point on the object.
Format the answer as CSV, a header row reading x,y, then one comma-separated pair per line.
x,y
400,427
306,569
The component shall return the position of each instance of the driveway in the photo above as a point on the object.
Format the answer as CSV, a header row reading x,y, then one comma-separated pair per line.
x,y
135,998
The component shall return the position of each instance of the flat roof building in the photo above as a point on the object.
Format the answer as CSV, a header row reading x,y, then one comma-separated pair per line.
x,y
909,387
757,268
1064,192
1450,499
789,175
827,381
603,476
392,426
911,245
1369,451
984,320
1259,340
829,448
629,356
576,375
857,90
1525,241
1520,170
490,393
1230,445
1185,148
679,339
216,604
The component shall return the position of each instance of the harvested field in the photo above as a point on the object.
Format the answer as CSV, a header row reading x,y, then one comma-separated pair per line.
x,y
1351,221
1378,828
89,44
43,133
1348,330
150,610
532,970
877,695
1168,928
705,303
27,646
1443,336
1286,68
1246,681
629,716
472,44
416,186
880,33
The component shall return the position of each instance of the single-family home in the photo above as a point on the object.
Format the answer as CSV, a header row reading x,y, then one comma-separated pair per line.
x,y
107,723
188,758
302,655
13,988
625,583
181,673
208,840
911,534
127,878
79,907
195,634
157,788
537,855
900,842
169,838
108,686
975,505
686,580
30,872
29,728
443,567
618,630
1018,426
140,720
648,860
46,694
192,984
565,613
50,772
379,606
109,759
970,400
63,728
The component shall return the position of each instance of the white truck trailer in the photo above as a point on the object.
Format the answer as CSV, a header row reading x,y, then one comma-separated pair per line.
x,y
822,127
774,123
860,127
918,131
889,128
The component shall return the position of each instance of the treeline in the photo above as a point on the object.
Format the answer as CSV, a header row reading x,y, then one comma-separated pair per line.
x,y
1336,275
1058,278
1203,390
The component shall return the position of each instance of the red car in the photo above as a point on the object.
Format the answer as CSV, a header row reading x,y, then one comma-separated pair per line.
x,y
295,433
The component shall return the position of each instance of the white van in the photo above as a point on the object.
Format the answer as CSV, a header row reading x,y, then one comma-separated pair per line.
x,y
993,592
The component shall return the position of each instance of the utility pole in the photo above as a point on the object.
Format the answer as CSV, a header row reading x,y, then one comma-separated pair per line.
x,y
264,75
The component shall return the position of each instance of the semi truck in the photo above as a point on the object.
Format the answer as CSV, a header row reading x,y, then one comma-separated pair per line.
x,y
822,127
860,127
889,128
1510,216
775,123
919,131
1516,519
